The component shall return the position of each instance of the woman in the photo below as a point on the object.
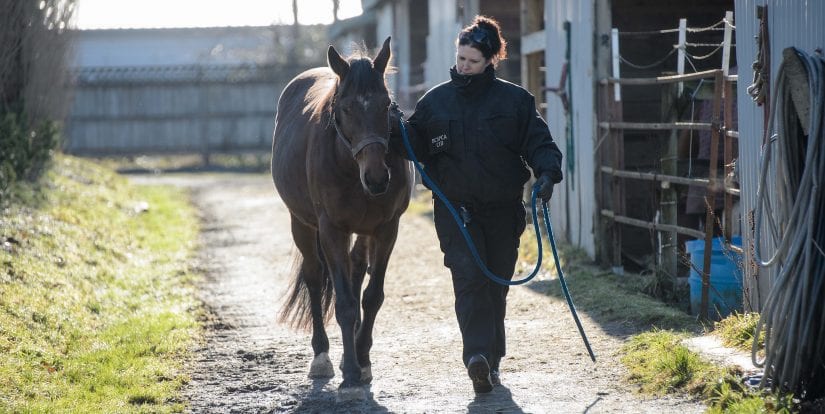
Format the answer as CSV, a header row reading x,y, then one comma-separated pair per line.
x,y
474,134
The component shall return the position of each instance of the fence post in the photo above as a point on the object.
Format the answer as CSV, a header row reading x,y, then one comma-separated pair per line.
x,y
727,119
668,241
710,194
203,116
726,43
680,62
614,50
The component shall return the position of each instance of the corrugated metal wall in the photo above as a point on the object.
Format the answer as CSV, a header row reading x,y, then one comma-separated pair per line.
x,y
573,204
790,23
174,109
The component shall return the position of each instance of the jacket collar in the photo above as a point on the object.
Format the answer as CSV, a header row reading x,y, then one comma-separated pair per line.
x,y
472,84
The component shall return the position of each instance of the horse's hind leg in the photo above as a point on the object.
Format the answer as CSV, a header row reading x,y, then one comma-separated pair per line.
x,y
380,247
320,291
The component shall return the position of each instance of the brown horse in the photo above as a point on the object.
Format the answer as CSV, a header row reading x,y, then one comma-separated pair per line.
x,y
334,170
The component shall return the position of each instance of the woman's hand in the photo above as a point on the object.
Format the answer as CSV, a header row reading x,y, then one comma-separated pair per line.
x,y
395,116
544,188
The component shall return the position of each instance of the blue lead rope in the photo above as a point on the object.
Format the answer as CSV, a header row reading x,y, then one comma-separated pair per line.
x,y
477,257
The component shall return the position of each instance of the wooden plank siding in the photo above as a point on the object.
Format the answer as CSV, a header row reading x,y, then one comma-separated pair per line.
x,y
175,109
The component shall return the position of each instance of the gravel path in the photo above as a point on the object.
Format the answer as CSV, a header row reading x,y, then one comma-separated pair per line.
x,y
248,363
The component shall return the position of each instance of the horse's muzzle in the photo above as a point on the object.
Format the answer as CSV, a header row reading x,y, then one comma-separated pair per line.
x,y
377,188
376,181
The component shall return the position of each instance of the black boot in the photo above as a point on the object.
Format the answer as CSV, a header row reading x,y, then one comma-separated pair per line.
x,y
479,371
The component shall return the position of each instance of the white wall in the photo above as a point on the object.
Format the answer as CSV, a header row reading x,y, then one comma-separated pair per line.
x,y
573,205
385,26
444,28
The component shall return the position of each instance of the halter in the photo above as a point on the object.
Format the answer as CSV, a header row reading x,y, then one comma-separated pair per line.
x,y
364,142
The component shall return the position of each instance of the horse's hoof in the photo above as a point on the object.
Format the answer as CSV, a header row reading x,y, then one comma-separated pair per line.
x,y
366,374
321,367
356,393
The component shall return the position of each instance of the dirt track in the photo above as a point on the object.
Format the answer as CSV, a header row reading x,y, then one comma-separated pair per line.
x,y
249,363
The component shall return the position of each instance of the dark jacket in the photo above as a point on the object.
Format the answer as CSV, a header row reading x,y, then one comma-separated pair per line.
x,y
474,133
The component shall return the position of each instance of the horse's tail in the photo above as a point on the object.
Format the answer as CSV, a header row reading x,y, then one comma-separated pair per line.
x,y
297,309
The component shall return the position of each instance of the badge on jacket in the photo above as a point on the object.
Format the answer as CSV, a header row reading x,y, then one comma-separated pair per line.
x,y
439,144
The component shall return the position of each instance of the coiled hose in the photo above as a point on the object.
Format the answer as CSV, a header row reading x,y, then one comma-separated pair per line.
x,y
793,317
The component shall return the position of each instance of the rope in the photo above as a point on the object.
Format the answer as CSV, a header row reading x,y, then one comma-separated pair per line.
x,y
758,89
703,57
714,27
718,47
656,63
793,317
502,281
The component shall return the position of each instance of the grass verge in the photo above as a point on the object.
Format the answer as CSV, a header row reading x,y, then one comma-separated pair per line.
x,y
660,364
601,294
96,303
737,331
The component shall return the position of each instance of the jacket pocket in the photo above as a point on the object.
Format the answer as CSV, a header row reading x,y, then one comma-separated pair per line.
x,y
445,136
503,126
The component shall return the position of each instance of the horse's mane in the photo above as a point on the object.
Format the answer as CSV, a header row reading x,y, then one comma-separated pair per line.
x,y
361,78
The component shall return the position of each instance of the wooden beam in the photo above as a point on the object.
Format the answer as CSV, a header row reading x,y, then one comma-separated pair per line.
x,y
533,42
655,177
656,126
662,79
652,226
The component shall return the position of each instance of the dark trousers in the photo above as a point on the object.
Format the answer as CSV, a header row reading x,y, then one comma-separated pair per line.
x,y
480,303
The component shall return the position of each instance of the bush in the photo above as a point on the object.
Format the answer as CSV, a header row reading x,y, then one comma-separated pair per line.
x,y
25,151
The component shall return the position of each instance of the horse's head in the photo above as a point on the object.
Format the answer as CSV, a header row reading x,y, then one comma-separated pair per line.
x,y
359,114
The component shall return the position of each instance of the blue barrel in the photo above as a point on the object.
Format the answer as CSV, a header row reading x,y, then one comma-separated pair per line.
x,y
725,292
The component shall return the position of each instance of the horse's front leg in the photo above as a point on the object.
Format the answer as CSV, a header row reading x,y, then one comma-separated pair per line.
x,y
380,247
358,269
335,245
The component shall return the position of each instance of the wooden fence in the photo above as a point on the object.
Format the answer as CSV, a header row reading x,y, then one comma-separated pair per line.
x,y
615,177
175,109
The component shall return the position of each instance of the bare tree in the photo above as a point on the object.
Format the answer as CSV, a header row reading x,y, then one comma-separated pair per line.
x,y
296,33
336,4
34,48
295,12
34,93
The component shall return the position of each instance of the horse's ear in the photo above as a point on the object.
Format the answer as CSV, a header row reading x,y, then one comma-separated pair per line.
x,y
380,61
337,63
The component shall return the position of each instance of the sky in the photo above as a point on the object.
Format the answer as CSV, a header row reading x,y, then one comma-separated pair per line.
x,y
110,14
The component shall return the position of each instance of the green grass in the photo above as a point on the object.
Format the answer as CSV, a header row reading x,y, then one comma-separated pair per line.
x,y
737,331
96,303
257,161
601,294
659,363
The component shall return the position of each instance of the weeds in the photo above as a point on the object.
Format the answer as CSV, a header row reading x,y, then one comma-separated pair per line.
x,y
26,151
738,330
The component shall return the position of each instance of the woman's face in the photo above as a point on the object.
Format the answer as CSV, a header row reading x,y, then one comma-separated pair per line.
x,y
469,60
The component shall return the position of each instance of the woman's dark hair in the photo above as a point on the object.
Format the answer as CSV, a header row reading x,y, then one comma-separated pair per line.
x,y
484,34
